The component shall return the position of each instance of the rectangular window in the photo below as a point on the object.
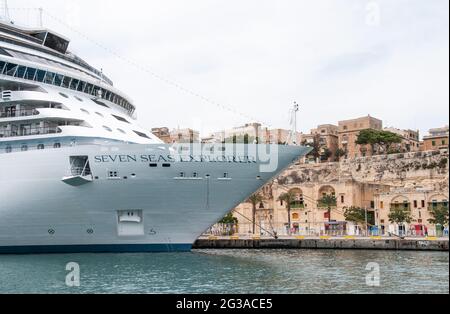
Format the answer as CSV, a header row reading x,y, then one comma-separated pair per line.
x,y
11,69
74,84
381,205
433,143
66,82
81,86
58,80
30,73
40,75
423,204
49,77
416,204
21,72
342,199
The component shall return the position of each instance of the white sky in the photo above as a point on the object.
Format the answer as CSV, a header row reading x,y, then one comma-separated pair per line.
x,y
338,59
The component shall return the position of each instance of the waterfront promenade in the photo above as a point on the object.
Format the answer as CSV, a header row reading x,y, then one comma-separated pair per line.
x,y
324,242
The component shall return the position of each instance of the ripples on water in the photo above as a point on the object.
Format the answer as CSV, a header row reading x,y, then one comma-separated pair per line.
x,y
229,271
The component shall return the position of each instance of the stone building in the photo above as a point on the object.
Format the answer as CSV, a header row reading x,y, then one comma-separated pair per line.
x,y
327,136
410,140
163,134
349,131
437,139
418,200
184,136
377,184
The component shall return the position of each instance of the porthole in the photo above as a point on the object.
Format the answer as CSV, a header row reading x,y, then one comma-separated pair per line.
x,y
64,95
107,128
121,131
40,146
78,98
84,111
51,231
99,114
57,145
90,231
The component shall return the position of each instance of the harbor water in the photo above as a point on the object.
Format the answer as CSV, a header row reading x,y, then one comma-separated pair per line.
x,y
230,271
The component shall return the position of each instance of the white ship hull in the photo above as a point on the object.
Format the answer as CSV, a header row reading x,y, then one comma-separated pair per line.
x,y
145,208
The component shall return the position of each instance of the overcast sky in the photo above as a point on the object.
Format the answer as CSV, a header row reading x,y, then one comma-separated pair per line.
x,y
339,59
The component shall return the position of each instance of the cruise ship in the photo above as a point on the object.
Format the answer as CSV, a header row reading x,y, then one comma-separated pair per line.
x,y
78,174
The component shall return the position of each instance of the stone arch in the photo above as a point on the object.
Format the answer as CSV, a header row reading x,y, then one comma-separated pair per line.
x,y
327,190
400,202
437,200
299,201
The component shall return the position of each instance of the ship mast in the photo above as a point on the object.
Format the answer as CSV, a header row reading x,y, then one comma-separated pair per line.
x,y
5,14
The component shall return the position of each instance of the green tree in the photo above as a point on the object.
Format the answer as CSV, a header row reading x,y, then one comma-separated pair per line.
x,y
440,216
229,219
255,200
400,215
377,139
340,153
288,198
326,155
355,214
328,201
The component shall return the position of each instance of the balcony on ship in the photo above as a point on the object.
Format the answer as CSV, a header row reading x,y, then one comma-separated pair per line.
x,y
26,128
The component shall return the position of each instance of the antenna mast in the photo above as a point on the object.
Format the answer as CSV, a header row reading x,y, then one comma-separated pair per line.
x,y
293,122
6,11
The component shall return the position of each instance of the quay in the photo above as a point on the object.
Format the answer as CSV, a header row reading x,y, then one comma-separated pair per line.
x,y
325,243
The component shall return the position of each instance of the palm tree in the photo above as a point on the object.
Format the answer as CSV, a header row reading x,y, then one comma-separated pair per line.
x,y
288,198
255,199
328,201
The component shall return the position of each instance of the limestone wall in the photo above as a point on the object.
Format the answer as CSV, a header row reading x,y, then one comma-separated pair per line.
x,y
421,169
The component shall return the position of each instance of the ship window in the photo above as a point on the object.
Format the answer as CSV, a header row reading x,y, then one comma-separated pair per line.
x,y
11,69
195,175
49,77
84,110
113,174
58,80
120,119
24,148
78,98
121,131
30,73
226,175
41,146
99,114
74,84
57,145
81,86
89,88
182,175
64,95
153,165
100,103
21,72
40,75
141,134
66,82
8,149
107,128
166,165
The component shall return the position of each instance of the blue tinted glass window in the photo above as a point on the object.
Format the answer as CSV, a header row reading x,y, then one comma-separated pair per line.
x,y
66,82
2,66
30,73
21,72
81,86
40,75
49,76
58,79
74,84
11,69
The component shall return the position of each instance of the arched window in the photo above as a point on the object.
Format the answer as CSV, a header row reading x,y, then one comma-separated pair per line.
x,y
41,146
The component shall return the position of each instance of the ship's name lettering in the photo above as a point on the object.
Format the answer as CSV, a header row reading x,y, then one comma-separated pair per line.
x,y
173,159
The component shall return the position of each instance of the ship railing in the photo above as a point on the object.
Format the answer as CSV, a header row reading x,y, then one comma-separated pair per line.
x,y
30,132
18,113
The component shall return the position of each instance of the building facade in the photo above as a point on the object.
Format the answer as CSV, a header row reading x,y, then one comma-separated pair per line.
x,y
410,140
437,139
348,134
326,139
